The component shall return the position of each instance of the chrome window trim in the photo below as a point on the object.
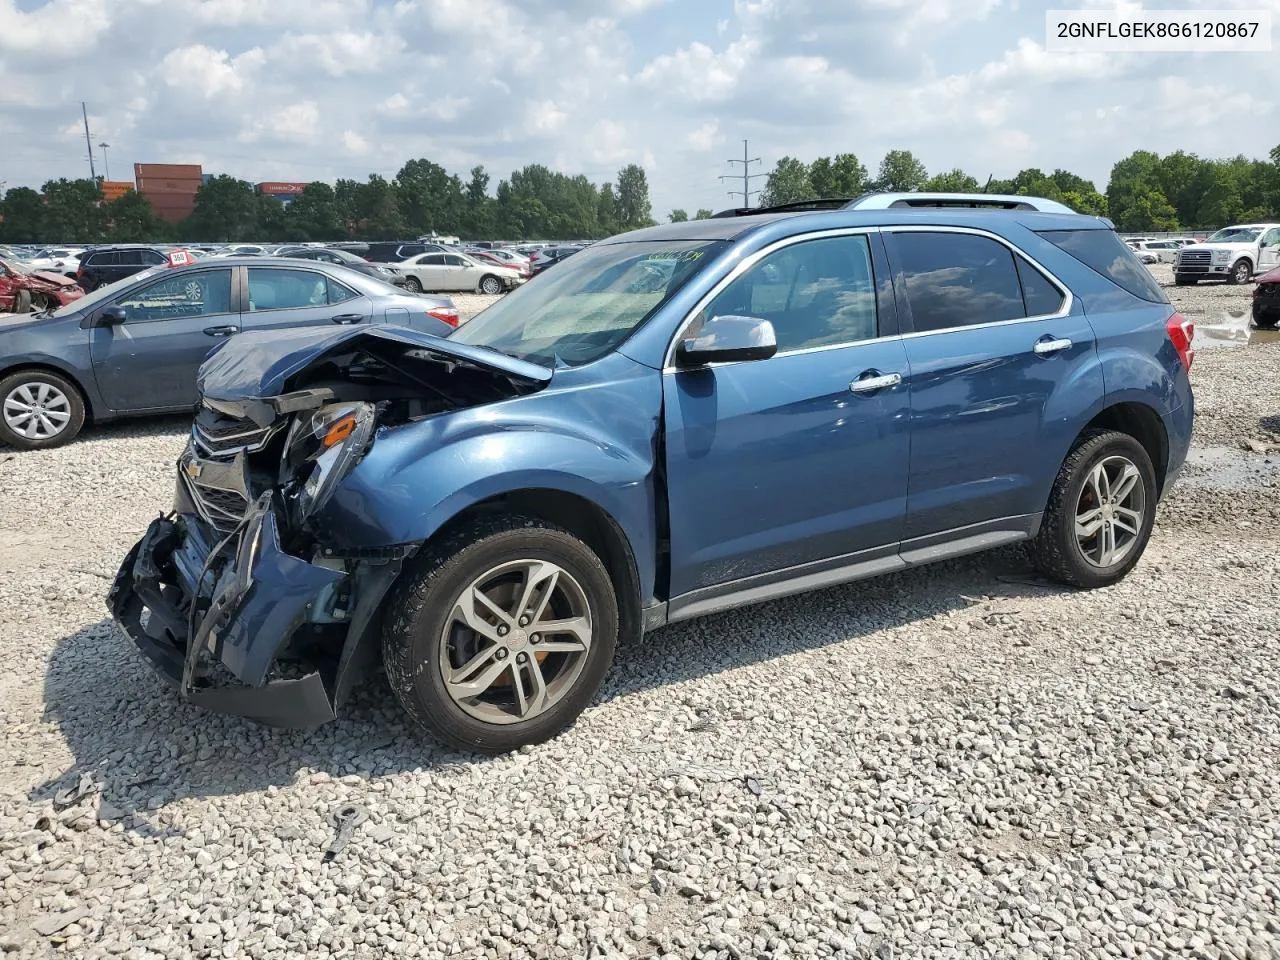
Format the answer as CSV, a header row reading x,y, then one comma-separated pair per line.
x,y
1064,310
1068,302
745,264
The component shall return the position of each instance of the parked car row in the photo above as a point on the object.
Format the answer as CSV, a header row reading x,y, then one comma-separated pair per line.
x,y
133,345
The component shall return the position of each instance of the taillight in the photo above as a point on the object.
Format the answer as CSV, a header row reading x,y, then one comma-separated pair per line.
x,y
1181,334
448,315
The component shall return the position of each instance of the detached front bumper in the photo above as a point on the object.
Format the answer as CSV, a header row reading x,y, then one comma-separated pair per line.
x,y
239,626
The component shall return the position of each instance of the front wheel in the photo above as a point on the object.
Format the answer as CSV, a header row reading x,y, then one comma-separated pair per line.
x,y
491,285
1100,512
1265,321
1241,271
501,634
39,409
413,284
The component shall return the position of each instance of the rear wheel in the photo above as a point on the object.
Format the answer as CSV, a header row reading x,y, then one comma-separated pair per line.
x,y
1100,512
1241,271
501,634
39,409
22,301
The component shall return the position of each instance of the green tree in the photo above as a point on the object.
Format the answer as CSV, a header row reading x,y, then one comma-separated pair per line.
x,y
313,214
679,216
430,197
788,182
272,221
226,210
607,211
478,220
379,210
1134,198
953,181
840,176
1149,210
132,219
22,217
633,198
703,214
901,171
73,211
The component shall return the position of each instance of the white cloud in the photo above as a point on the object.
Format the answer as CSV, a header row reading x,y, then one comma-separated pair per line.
x,y
705,137
201,71
544,117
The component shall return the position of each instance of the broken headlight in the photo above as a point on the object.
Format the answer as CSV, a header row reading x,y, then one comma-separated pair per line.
x,y
323,447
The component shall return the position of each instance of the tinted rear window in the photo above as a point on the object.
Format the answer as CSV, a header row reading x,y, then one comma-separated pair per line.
x,y
1105,253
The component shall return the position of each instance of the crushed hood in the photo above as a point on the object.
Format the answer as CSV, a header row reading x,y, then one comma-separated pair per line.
x,y
266,364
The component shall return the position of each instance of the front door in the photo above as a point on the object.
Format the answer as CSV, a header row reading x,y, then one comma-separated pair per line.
x,y
298,297
996,372
149,362
1269,250
775,464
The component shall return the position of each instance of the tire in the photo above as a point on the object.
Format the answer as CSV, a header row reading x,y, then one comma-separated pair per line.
x,y
1057,551
58,396
22,301
1241,272
490,285
1265,321
423,637
413,284
1185,280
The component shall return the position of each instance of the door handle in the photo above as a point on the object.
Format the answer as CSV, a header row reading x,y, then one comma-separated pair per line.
x,y
220,331
873,380
1048,345
348,318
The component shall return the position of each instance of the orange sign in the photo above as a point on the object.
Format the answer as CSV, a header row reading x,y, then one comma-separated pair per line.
x,y
115,189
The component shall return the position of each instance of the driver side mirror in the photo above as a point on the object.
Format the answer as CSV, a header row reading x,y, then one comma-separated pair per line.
x,y
110,316
728,338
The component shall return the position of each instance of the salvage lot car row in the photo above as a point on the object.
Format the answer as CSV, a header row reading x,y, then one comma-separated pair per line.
x,y
945,763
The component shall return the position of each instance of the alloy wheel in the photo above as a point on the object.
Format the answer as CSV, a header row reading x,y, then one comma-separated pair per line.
x,y
1242,272
516,641
37,410
1110,511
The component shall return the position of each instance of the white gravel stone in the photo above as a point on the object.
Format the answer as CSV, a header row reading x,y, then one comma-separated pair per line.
x,y
953,762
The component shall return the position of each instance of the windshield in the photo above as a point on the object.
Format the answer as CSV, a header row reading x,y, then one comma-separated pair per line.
x,y
584,307
1235,235
106,291
14,266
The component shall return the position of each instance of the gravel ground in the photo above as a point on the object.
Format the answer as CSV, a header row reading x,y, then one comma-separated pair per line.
x,y
953,762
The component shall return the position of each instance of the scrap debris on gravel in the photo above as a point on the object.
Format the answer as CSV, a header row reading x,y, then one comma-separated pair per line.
x,y
958,761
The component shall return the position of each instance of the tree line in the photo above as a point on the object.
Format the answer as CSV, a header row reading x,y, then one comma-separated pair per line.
x,y
534,203
1146,192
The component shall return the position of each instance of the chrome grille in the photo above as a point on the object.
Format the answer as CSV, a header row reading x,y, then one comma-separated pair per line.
x,y
1197,259
223,509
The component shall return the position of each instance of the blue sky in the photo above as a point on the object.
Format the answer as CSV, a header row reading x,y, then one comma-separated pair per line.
x,y
317,89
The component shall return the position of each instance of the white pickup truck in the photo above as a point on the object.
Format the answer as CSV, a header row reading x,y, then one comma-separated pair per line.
x,y
1233,254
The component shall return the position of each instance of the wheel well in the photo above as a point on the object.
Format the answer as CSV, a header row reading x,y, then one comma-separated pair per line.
x,y
590,524
1144,425
62,374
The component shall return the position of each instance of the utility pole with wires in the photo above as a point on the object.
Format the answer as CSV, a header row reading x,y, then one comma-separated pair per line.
x,y
88,141
747,176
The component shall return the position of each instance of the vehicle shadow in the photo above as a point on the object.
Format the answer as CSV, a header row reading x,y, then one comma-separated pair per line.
x,y
1270,423
147,748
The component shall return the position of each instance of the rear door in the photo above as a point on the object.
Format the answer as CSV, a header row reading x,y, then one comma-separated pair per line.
x,y
995,344
150,361
462,274
298,297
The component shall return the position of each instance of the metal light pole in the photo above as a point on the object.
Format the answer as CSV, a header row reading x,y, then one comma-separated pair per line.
x,y
106,167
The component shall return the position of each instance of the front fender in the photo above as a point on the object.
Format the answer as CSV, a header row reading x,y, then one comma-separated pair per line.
x,y
594,440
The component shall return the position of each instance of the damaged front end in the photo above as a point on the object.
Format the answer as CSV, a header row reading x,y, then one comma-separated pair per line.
x,y
240,597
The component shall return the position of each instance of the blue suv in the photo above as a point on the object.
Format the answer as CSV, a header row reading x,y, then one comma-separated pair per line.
x,y
673,422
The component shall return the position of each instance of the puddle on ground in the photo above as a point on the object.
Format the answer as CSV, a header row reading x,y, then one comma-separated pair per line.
x,y
1226,468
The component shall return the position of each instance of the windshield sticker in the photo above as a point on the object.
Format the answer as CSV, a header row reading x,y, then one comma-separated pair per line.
x,y
679,256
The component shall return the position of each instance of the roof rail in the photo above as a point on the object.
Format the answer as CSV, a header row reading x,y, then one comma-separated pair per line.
x,y
974,201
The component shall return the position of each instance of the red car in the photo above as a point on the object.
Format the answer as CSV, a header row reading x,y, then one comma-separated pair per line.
x,y
22,291
497,261
1266,300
